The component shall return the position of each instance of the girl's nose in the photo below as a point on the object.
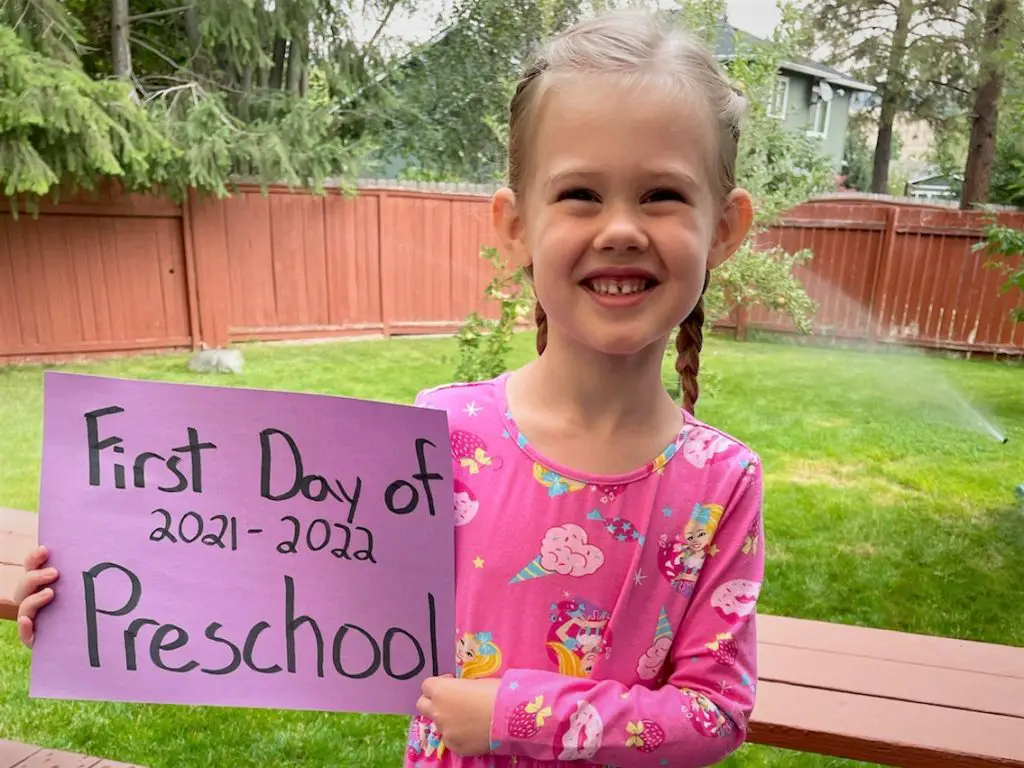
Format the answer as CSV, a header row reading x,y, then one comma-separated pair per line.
x,y
621,232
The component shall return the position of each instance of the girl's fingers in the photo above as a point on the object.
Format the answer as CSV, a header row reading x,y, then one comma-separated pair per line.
x,y
29,607
35,559
32,581
26,631
423,706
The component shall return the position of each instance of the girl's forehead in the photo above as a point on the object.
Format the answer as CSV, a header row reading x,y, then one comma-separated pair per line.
x,y
613,121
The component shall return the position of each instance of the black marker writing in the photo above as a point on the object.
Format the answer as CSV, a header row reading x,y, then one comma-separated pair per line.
x,y
193,450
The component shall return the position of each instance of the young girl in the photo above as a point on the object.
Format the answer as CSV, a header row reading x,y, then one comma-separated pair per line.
x,y
608,543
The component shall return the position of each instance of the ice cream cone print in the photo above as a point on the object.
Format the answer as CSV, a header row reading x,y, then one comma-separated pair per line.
x,y
565,550
664,628
533,570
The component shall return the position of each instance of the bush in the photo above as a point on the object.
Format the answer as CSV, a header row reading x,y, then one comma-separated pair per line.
x,y
484,343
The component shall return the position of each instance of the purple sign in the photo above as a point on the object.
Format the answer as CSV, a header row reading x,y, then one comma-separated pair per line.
x,y
238,547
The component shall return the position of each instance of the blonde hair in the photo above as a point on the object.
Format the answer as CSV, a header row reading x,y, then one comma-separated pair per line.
x,y
569,664
485,662
636,46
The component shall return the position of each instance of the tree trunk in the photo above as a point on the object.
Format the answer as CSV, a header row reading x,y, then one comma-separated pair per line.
x,y
985,115
893,97
120,28
277,72
296,64
195,40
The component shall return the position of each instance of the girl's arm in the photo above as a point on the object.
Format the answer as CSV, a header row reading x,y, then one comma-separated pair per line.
x,y
700,715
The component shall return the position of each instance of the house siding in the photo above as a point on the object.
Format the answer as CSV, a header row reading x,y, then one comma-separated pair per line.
x,y
799,112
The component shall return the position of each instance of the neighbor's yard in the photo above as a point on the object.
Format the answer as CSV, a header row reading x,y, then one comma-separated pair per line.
x,y
884,507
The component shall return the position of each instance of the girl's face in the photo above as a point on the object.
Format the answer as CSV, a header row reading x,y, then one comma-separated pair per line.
x,y
620,212
466,649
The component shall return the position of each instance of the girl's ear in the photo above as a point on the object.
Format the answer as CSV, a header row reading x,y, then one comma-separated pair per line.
x,y
733,225
507,220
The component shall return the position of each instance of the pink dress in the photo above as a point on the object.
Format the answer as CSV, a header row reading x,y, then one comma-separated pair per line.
x,y
618,612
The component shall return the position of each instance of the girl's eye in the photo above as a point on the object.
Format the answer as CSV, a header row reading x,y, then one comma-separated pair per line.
x,y
664,195
578,193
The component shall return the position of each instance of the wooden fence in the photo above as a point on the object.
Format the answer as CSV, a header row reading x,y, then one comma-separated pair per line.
x,y
121,273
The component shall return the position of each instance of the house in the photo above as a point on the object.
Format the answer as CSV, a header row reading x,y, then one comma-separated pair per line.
x,y
808,96
933,184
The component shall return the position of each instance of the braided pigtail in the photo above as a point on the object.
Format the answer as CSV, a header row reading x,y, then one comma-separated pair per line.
x,y
689,342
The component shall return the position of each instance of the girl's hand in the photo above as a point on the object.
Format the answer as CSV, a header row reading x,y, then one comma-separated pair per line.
x,y
33,592
461,709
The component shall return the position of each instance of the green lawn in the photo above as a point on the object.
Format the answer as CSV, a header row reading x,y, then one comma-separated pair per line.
x,y
885,507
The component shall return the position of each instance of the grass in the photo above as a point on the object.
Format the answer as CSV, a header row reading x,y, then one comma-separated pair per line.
x,y
886,506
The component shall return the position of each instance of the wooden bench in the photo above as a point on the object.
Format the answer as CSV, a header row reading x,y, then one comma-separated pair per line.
x,y
16,755
18,537
888,697
865,694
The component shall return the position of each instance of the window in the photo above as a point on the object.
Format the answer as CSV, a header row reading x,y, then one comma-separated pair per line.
x,y
780,98
821,113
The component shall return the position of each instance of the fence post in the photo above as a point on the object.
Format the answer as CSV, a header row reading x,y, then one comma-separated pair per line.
x,y
880,288
194,326
383,281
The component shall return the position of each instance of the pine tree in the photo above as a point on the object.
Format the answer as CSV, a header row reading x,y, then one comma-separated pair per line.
x,y
178,96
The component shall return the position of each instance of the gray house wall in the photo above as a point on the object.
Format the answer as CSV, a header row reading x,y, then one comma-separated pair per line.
x,y
799,112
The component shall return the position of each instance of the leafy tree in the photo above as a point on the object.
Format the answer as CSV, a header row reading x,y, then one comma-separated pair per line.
x,y
1005,245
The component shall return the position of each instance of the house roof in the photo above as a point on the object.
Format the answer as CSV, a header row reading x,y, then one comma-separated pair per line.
x,y
729,36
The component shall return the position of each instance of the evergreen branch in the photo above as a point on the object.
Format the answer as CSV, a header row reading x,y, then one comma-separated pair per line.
x,y
157,14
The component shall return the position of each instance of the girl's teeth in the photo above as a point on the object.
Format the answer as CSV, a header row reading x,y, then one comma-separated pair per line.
x,y
618,287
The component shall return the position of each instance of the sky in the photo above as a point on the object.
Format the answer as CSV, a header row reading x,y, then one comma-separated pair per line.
x,y
758,17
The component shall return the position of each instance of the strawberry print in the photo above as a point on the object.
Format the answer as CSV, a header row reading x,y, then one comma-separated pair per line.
x,y
645,735
527,719
470,452
724,648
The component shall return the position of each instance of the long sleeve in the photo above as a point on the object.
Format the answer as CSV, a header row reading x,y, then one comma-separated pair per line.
x,y
700,714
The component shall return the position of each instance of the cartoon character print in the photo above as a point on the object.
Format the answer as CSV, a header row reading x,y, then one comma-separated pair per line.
x,y
707,719
566,550
466,504
469,452
652,661
701,444
619,527
682,558
476,655
752,539
425,746
581,736
737,597
578,637
556,484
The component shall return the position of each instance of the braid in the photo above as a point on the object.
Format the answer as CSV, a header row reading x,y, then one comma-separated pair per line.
x,y
541,319
689,341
